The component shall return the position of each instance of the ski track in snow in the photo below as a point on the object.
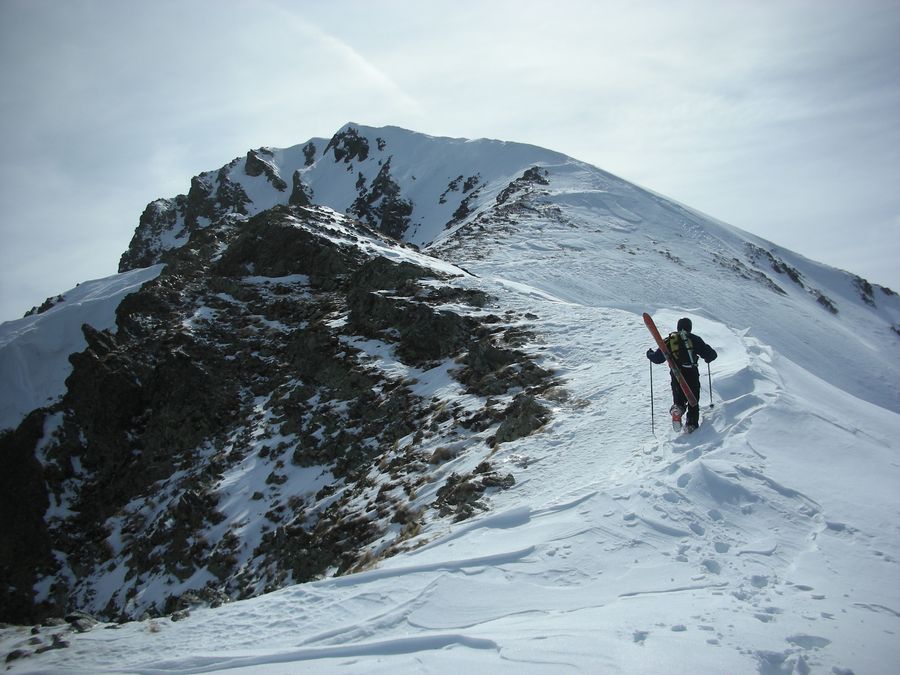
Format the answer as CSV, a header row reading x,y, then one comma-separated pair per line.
x,y
707,528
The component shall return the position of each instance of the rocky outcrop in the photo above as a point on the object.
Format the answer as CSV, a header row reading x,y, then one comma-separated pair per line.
x,y
309,154
524,416
348,146
381,204
259,163
781,267
169,223
240,375
527,181
159,218
25,543
49,303
301,194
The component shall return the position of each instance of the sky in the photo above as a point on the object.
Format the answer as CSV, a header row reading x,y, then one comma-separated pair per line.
x,y
781,118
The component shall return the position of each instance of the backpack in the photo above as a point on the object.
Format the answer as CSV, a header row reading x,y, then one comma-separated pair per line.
x,y
682,348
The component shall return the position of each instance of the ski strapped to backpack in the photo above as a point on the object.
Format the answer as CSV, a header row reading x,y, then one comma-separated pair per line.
x,y
673,367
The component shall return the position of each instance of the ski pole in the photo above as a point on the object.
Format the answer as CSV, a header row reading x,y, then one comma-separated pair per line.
x,y
709,375
652,421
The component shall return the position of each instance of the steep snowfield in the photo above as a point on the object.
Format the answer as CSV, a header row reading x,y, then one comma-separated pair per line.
x,y
766,542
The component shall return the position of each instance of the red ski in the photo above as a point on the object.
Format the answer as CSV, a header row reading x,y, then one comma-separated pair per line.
x,y
676,371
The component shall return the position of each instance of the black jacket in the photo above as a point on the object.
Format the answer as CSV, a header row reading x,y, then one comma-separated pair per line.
x,y
700,348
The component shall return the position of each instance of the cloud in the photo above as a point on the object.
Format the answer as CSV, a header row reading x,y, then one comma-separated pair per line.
x,y
108,105
776,117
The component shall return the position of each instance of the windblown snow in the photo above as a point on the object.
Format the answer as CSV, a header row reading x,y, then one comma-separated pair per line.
x,y
766,542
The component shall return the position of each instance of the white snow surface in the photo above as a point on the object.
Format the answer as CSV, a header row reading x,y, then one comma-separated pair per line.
x,y
766,542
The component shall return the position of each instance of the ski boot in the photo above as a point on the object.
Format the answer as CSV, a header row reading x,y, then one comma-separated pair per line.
x,y
676,411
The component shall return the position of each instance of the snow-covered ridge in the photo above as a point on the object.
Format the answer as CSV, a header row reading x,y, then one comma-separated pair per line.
x,y
761,544
765,542
417,188
430,190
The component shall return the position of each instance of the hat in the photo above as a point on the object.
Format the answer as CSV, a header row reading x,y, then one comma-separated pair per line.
x,y
684,324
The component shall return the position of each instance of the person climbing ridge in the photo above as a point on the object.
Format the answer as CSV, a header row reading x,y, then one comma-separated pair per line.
x,y
686,349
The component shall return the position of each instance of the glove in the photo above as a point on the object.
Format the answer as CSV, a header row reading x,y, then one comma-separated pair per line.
x,y
650,353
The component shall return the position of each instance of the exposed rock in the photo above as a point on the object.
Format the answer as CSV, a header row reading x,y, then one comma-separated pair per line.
x,y
777,263
461,496
17,654
230,196
81,622
258,163
159,217
168,223
527,181
309,153
382,206
348,146
49,303
524,416
25,543
243,348
301,194
742,270
866,292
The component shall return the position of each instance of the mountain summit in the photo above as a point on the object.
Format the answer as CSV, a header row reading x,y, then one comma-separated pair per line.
x,y
441,194
412,187
389,357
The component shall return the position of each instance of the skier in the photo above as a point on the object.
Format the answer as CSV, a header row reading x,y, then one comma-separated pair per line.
x,y
686,349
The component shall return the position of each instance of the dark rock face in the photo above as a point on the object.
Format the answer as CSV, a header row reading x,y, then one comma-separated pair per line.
x,y
258,163
49,303
524,416
781,267
159,217
348,146
212,196
381,205
25,544
528,180
471,188
309,154
239,375
301,194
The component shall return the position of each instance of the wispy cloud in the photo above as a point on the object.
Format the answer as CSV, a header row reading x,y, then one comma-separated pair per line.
x,y
777,117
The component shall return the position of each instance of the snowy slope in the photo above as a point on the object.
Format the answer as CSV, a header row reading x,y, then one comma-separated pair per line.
x,y
427,170
766,542
638,247
591,238
34,351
